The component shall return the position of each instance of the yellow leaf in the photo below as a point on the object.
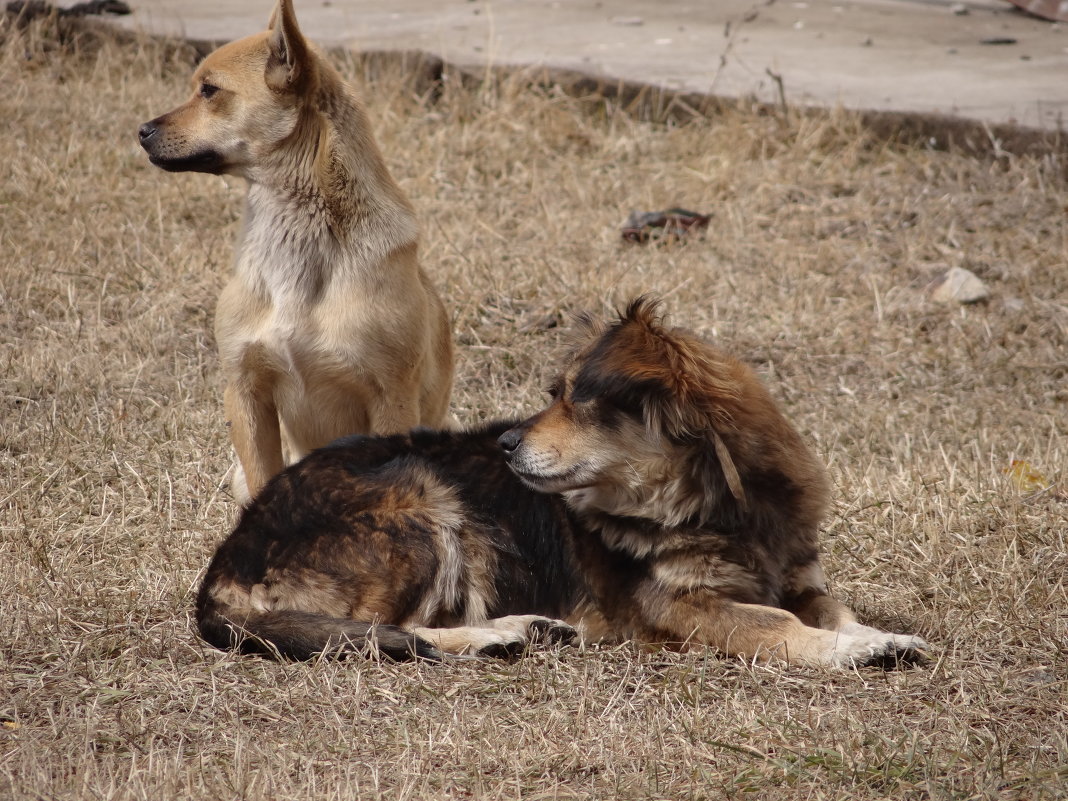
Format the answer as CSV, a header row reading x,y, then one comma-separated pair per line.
x,y
1025,477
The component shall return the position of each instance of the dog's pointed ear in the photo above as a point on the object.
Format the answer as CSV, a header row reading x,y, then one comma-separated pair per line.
x,y
287,60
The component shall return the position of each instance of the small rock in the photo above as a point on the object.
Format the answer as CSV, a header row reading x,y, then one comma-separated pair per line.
x,y
958,285
959,9
627,21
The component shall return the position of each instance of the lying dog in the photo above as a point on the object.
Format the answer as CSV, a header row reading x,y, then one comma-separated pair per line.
x,y
329,325
661,496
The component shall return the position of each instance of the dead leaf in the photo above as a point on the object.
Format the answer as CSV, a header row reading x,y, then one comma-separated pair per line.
x,y
1025,477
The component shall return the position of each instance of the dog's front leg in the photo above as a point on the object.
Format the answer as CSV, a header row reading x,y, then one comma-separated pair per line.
x,y
754,631
257,438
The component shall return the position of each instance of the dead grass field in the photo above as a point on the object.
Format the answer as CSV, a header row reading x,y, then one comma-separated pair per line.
x,y
113,452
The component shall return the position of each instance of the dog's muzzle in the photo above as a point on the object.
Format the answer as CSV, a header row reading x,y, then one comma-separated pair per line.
x,y
152,139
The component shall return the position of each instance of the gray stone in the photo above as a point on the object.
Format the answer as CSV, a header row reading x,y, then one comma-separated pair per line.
x,y
958,285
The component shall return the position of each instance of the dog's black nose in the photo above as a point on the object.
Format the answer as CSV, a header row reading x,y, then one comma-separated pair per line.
x,y
510,440
146,132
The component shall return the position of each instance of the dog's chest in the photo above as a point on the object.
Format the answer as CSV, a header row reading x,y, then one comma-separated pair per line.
x,y
286,256
299,299
272,318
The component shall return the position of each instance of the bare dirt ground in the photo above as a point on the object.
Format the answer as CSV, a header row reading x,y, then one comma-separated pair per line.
x,y
113,451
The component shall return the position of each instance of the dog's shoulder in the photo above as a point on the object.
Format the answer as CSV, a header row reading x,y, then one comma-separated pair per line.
x,y
456,457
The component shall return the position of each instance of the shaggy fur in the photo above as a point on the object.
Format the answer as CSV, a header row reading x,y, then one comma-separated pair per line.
x,y
661,496
328,326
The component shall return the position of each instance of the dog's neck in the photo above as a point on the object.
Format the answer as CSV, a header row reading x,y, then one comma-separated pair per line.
x,y
642,517
325,188
659,491
330,173
637,536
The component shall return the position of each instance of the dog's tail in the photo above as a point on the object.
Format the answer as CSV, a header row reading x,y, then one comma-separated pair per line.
x,y
292,634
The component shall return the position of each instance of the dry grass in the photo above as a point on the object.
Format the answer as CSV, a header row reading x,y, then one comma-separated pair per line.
x,y
113,451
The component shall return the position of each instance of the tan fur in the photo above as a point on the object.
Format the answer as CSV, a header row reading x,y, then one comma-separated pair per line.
x,y
328,326
509,635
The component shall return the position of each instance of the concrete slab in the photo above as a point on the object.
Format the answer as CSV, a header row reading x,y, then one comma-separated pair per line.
x,y
981,60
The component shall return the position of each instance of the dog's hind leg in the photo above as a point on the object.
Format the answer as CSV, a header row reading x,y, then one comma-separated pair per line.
x,y
239,484
395,412
472,640
292,634
502,637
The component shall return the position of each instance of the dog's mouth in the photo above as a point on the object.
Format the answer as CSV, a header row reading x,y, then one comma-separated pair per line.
x,y
568,479
209,161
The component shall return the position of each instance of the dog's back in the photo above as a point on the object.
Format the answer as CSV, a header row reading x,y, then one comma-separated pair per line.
x,y
429,529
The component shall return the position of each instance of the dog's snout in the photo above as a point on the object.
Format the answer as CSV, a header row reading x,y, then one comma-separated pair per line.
x,y
146,132
510,440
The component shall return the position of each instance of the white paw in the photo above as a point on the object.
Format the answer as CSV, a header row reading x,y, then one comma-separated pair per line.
x,y
861,646
238,485
536,628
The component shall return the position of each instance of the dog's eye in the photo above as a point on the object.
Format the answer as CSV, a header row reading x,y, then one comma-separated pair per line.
x,y
208,90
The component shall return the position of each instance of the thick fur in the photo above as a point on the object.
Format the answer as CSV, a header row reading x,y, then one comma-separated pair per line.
x,y
661,496
328,326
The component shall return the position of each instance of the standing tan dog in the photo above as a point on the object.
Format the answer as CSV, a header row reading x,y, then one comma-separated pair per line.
x,y
329,326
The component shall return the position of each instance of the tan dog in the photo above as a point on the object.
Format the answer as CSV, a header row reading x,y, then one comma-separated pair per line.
x,y
329,326
661,496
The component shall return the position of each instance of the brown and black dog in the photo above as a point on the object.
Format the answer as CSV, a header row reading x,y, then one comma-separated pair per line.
x,y
661,496
329,326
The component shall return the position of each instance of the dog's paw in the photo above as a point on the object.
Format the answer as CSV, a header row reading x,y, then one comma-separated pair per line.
x,y
239,485
509,637
536,629
552,632
503,646
863,646
503,637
